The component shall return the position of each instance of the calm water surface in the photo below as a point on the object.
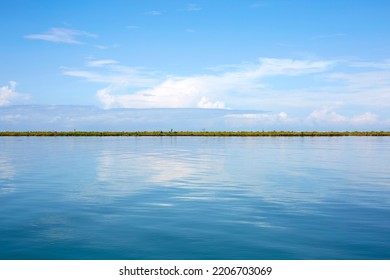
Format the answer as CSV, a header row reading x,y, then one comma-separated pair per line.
x,y
194,198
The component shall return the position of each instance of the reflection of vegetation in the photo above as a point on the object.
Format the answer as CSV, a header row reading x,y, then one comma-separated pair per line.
x,y
195,133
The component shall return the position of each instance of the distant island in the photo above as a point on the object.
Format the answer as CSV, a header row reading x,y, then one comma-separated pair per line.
x,y
198,133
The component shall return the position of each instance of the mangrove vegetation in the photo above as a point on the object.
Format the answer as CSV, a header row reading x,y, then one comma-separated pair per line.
x,y
198,133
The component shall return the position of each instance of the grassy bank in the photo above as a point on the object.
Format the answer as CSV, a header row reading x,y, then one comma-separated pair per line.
x,y
197,133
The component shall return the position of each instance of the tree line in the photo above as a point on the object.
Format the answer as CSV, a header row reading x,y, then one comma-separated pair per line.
x,y
196,133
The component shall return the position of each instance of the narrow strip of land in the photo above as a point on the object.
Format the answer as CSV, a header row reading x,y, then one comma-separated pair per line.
x,y
197,133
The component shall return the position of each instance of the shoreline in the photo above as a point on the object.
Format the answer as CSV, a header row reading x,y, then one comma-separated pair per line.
x,y
197,133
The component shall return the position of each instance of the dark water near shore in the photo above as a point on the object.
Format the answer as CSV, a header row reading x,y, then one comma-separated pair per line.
x,y
194,198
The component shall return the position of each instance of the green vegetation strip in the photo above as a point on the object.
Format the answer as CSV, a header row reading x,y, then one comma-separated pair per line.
x,y
196,133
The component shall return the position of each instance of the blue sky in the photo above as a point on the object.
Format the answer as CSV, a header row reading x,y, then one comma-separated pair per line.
x,y
301,64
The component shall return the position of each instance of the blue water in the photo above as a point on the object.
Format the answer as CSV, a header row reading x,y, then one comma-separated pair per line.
x,y
194,198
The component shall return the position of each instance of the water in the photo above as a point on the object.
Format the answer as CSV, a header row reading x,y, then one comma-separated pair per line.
x,y
194,198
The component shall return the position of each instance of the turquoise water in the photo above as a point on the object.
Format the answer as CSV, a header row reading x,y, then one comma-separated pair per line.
x,y
194,198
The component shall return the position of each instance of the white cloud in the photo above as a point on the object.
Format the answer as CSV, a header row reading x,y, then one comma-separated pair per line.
x,y
246,86
283,116
321,119
207,104
61,35
106,98
100,63
171,93
202,91
194,91
9,96
290,67
262,121
367,117
327,115
260,118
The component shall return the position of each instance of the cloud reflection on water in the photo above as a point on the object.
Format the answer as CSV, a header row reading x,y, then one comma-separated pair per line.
x,y
7,170
116,193
7,173
130,173
257,168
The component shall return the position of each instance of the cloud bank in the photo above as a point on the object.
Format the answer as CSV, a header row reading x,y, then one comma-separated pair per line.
x,y
219,89
87,118
298,94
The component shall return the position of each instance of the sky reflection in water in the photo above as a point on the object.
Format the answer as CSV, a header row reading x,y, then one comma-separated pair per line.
x,y
194,198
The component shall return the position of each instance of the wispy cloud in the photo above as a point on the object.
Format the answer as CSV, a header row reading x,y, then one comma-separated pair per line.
x,y
61,35
206,91
101,63
106,47
367,88
219,90
192,8
153,13
370,64
115,75
9,96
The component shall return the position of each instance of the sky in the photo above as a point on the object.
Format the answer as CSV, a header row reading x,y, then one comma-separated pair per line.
x,y
274,64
